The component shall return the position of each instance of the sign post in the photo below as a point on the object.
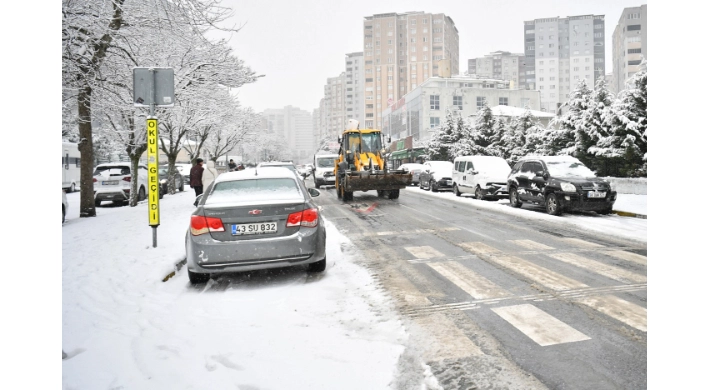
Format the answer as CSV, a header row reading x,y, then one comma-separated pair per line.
x,y
153,87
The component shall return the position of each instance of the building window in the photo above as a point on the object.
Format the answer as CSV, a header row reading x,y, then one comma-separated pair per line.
x,y
503,101
633,27
632,51
635,62
480,100
434,102
433,122
458,102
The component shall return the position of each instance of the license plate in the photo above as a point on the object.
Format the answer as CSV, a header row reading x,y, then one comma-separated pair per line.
x,y
110,183
448,182
254,228
595,194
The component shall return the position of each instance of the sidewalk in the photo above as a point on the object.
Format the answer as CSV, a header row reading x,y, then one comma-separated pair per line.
x,y
630,205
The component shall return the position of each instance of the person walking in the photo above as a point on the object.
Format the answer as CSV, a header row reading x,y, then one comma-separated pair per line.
x,y
196,176
232,165
209,175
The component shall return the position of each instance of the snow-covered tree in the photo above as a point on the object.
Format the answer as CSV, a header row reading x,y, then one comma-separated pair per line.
x,y
593,126
463,141
485,133
563,140
441,142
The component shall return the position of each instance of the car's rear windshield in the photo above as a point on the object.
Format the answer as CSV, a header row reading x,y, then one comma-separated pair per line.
x,y
255,190
568,168
289,166
113,170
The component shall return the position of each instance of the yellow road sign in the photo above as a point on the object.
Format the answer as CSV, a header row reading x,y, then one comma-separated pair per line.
x,y
153,180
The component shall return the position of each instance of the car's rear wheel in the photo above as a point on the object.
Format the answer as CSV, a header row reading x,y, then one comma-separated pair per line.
x,y
515,198
479,193
197,278
433,186
552,204
318,266
182,185
394,194
456,190
97,203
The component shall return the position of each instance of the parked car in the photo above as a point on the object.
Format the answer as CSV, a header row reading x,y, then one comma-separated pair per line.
x,y
436,175
252,220
560,183
112,182
284,164
184,170
484,176
65,205
415,169
163,178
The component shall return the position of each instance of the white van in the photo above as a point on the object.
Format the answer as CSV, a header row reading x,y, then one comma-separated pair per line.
x,y
71,166
484,176
323,168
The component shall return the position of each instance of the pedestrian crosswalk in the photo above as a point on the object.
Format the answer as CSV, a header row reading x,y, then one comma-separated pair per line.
x,y
532,261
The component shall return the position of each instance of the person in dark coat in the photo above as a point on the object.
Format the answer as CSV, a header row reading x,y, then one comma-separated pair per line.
x,y
232,165
196,177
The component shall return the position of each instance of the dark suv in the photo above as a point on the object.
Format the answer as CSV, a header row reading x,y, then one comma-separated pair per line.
x,y
560,183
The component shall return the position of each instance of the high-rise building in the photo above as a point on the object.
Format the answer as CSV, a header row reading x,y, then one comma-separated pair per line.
x,y
334,107
629,47
559,53
499,65
355,86
295,127
402,50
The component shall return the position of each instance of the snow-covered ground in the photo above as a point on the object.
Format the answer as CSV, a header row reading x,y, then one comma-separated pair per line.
x,y
123,327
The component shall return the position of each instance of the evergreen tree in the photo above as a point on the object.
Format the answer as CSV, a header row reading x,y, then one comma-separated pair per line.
x,y
626,144
484,133
463,141
564,139
441,142
593,126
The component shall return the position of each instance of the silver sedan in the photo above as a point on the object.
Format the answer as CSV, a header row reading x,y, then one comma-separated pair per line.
x,y
255,219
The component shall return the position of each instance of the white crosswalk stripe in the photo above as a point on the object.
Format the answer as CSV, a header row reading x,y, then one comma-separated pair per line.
x,y
539,326
607,270
532,245
423,252
582,243
624,255
475,285
624,311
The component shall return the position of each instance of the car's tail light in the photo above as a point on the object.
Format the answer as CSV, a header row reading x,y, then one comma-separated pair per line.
x,y
305,218
201,225
95,180
127,178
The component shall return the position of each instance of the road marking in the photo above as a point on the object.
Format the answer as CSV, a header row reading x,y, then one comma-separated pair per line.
x,y
530,244
449,342
582,243
417,231
479,248
539,326
624,311
525,268
624,255
607,270
423,252
468,281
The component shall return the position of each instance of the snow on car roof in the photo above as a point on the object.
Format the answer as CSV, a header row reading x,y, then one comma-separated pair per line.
x,y
255,173
551,158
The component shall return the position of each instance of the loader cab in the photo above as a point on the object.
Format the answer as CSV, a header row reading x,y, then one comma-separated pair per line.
x,y
361,142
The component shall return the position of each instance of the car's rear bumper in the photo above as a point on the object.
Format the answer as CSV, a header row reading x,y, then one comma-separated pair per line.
x,y
445,184
206,255
579,202
495,191
113,195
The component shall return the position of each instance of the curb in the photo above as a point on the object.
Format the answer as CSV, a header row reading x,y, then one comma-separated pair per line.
x,y
628,214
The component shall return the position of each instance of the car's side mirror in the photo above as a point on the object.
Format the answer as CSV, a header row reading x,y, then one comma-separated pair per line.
x,y
475,172
313,192
469,171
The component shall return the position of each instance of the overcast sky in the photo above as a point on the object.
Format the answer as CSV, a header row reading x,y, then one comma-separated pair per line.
x,y
298,44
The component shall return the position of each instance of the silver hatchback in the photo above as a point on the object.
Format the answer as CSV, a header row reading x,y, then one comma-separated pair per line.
x,y
255,219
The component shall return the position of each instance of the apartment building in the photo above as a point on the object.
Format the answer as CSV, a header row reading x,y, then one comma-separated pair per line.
x,y
355,86
401,51
559,53
295,127
420,111
334,105
629,46
499,65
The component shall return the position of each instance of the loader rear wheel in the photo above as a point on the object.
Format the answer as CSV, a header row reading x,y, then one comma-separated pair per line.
x,y
394,194
347,195
380,193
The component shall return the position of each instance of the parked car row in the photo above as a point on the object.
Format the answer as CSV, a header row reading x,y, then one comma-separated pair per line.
x,y
559,183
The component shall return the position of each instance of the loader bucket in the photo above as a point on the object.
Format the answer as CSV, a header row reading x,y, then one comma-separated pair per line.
x,y
365,181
